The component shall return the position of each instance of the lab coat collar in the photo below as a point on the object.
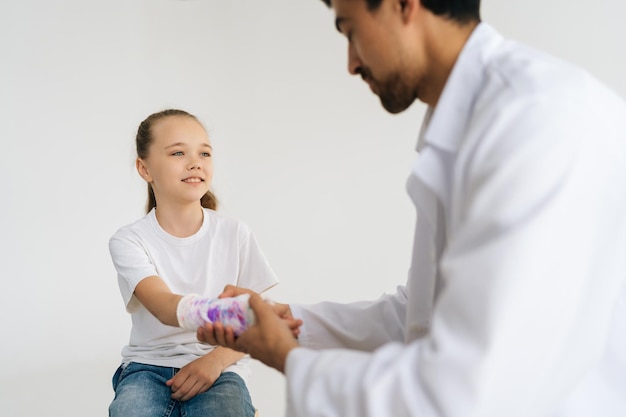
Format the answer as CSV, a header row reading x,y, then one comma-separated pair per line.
x,y
445,124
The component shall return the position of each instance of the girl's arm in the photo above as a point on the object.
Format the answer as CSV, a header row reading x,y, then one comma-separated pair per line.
x,y
200,374
192,311
158,299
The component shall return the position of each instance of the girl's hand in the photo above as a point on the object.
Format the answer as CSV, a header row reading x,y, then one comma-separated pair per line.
x,y
194,378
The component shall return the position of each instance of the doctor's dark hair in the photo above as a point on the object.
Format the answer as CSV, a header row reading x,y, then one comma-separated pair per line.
x,y
462,11
144,140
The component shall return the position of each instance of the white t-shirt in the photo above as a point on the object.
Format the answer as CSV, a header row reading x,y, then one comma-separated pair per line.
x,y
224,251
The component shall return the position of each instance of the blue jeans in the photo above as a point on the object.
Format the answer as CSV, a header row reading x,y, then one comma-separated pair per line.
x,y
140,391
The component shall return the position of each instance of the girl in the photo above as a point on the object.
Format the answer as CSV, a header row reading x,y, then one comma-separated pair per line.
x,y
181,247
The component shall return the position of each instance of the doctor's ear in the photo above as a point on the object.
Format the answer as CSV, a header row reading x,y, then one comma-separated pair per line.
x,y
142,169
407,7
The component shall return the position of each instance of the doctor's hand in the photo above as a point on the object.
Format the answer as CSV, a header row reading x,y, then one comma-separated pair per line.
x,y
232,291
282,310
269,340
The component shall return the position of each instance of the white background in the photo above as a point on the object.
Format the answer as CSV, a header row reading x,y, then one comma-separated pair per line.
x,y
303,153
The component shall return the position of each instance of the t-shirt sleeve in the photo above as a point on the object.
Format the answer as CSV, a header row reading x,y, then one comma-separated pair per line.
x,y
132,264
255,272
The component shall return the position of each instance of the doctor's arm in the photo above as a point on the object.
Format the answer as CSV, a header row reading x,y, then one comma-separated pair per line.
x,y
527,295
363,325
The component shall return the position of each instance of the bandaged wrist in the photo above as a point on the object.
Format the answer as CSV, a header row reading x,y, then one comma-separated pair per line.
x,y
195,311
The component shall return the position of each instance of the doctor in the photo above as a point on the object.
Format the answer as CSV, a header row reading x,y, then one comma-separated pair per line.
x,y
515,303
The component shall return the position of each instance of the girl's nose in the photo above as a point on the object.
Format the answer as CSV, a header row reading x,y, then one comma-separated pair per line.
x,y
194,164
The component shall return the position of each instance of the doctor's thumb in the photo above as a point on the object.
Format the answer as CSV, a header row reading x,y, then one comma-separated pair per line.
x,y
258,305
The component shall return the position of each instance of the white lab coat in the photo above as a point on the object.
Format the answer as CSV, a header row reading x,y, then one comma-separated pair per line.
x,y
515,303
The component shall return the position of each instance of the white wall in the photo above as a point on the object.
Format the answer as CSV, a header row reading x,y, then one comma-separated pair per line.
x,y
304,154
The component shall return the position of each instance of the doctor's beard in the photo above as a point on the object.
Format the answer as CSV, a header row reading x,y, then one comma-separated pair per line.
x,y
394,93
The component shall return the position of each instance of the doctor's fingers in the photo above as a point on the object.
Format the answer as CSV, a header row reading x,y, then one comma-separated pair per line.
x,y
233,291
264,310
206,334
282,310
270,339
269,326
216,334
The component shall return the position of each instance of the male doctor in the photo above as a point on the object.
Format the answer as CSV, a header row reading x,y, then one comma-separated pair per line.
x,y
515,303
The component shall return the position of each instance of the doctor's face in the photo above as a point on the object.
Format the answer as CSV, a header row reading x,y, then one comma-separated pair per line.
x,y
375,49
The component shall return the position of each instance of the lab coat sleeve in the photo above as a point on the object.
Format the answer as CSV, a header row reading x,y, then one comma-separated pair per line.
x,y
529,282
344,383
364,325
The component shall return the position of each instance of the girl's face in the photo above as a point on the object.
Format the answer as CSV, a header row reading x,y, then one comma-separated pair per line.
x,y
179,165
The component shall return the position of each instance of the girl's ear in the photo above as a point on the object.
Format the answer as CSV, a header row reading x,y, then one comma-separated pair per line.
x,y
142,169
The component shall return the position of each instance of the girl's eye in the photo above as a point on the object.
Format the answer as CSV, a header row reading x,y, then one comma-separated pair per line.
x,y
177,153
205,154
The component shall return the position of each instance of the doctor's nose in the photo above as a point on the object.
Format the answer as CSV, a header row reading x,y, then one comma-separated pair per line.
x,y
354,63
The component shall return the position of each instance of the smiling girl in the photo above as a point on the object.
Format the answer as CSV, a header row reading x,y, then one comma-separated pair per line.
x,y
182,247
